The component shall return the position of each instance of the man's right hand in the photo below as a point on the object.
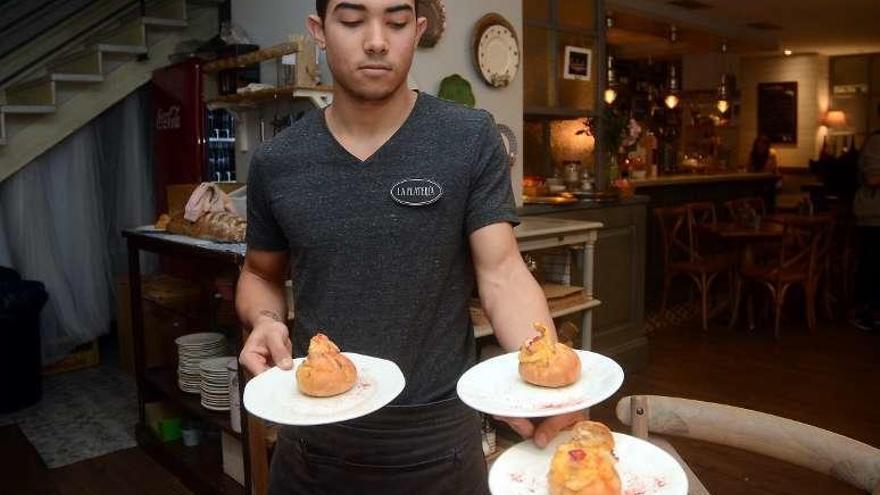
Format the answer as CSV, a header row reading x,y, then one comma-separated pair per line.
x,y
268,345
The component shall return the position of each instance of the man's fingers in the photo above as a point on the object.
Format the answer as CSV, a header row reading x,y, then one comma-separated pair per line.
x,y
550,427
279,349
522,426
252,361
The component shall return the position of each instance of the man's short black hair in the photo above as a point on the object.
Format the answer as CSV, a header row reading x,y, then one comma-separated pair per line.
x,y
321,7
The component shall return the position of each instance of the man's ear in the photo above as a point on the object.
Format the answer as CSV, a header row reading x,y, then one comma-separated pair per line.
x,y
421,26
316,27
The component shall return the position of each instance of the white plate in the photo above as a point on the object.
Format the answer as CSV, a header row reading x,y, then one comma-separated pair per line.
x,y
498,55
199,339
643,468
273,395
495,387
216,365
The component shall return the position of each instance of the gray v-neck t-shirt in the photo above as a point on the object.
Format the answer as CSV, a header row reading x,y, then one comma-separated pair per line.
x,y
379,248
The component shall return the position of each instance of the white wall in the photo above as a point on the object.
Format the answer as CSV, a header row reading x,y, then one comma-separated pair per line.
x,y
811,74
269,22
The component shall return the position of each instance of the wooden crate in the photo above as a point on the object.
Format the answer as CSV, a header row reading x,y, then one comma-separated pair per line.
x,y
84,356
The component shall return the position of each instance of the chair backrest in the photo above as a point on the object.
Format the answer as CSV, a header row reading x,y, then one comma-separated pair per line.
x,y
807,446
699,214
736,207
806,241
675,238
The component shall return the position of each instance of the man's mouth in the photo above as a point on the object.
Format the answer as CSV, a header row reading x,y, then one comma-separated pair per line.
x,y
375,67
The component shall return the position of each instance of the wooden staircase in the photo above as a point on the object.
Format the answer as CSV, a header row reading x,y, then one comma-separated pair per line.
x,y
71,90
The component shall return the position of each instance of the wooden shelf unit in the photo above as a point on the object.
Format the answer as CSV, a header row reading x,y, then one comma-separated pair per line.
x,y
255,98
538,233
199,468
255,57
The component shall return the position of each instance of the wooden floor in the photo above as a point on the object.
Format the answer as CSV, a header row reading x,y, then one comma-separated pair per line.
x,y
827,379
830,379
128,472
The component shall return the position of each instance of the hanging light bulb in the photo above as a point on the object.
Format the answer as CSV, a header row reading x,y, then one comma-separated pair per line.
x,y
723,103
672,98
610,93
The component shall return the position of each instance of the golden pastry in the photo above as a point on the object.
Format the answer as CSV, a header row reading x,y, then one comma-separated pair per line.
x,y
545,362
575,470
325,371
592,435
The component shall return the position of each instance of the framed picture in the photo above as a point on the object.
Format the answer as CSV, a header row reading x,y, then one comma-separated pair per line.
x,y
777,111
578,63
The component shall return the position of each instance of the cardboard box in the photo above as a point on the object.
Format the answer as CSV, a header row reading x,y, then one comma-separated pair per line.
x,y
233,462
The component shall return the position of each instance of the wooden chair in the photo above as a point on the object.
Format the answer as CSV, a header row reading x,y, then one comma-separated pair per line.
x,y
682,255
807,446
797,262
735,207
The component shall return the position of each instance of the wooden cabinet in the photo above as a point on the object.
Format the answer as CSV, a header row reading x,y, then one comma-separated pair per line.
x,y
549,27
619,324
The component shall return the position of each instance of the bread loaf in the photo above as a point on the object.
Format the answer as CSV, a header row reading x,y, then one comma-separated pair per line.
x,y
216,226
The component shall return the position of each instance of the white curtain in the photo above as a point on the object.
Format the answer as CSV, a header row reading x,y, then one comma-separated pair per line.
x,y
61,217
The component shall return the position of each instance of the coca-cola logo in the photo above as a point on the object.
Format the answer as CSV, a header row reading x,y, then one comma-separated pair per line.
x,y
168,119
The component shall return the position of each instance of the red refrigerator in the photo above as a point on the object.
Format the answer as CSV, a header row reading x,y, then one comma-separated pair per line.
x,y
179,121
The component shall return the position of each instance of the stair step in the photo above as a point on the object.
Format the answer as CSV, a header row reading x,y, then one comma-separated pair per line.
x,y
30,93
163,22
168,9
27,109
126,49
82,62
76,78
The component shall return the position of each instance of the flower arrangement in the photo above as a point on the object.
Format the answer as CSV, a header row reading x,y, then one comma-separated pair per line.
x,y
622,132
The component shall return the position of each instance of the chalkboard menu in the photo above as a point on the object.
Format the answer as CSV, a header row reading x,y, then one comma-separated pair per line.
x,y
777,112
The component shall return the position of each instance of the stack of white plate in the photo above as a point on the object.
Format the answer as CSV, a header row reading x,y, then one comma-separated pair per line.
x,y
215,383
192,349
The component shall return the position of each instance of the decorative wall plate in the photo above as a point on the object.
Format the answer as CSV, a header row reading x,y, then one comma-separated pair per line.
x,y
510,142
435,12
496,50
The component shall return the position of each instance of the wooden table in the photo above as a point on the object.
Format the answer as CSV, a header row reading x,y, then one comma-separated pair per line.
x,y
743,238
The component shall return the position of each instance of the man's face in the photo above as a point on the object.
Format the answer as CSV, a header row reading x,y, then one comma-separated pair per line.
x,y
370,44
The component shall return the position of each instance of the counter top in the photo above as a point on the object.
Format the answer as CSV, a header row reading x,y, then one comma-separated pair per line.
x,y
527,210
537,226
673,180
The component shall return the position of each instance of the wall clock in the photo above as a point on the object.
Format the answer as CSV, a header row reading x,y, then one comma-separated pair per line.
x,y
435,12
496,50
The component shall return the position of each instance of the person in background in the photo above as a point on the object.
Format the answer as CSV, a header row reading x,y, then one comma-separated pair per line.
x,y
866,208
763,158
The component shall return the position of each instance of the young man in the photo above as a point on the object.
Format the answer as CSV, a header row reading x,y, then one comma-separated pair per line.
x,y
383,266
866,207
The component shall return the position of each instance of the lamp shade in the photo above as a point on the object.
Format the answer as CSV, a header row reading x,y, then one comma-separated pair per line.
x,y
834,119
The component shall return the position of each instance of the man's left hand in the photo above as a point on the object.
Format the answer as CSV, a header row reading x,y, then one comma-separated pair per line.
x,y
544,430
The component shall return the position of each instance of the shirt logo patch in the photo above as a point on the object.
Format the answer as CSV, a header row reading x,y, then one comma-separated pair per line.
x,y
416,192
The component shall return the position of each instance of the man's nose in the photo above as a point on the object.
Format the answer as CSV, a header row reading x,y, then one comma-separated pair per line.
x,y
377,41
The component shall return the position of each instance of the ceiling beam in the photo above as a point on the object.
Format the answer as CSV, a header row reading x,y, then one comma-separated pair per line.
x,y
695,20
